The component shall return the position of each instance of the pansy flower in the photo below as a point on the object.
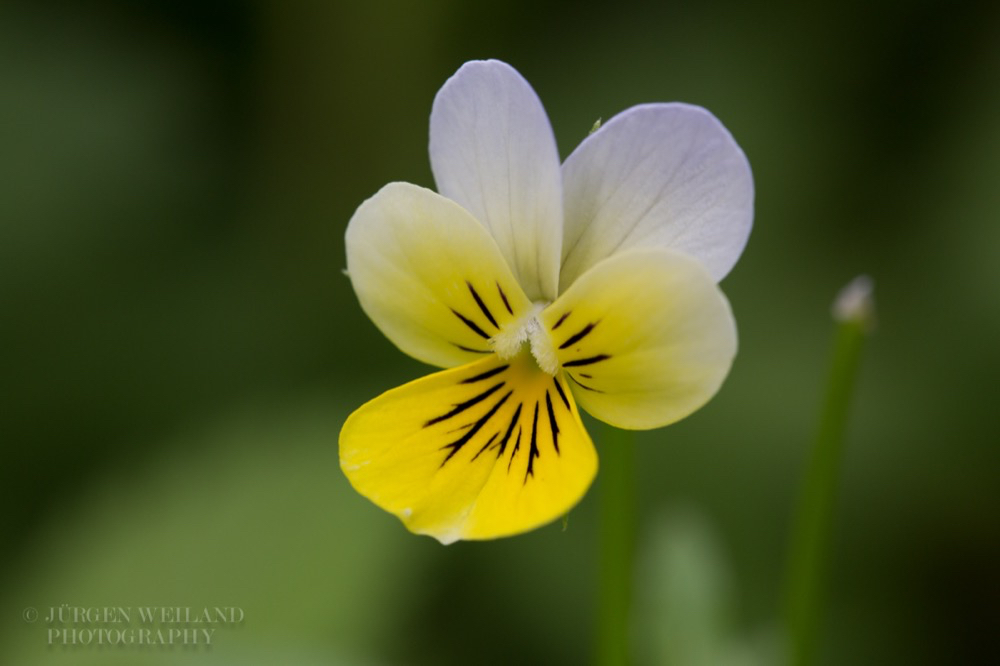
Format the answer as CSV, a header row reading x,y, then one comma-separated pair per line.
x,y
542,289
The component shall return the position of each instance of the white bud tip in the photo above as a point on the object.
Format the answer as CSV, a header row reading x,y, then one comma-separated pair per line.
x,y
856,302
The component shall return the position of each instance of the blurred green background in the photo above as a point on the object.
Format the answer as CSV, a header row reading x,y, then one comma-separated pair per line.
x,y
180,346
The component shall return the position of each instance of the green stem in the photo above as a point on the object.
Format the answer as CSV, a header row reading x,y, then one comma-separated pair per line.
x,y
808,563
617,534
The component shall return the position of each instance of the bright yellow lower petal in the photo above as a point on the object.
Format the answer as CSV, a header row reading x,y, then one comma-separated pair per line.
x,y
645,338
490,449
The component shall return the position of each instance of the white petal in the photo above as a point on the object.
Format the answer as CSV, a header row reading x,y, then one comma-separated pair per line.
x,y
492,151
430,276
657,175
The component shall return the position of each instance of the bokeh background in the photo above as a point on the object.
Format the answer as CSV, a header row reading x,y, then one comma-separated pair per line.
x,y
180,347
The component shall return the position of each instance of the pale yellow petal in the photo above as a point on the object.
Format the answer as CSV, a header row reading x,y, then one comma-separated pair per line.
x,y
429,275
490,449
645,337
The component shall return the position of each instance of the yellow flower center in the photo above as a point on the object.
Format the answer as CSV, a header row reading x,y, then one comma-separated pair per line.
x,y
527,330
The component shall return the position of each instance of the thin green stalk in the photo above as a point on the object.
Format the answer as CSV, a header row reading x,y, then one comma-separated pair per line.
x,y
809,555
617,535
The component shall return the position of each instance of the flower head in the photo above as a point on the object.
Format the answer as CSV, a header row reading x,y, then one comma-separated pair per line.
x,y
541,287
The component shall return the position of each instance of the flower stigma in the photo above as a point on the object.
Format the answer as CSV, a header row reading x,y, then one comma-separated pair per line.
x,y
527,330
